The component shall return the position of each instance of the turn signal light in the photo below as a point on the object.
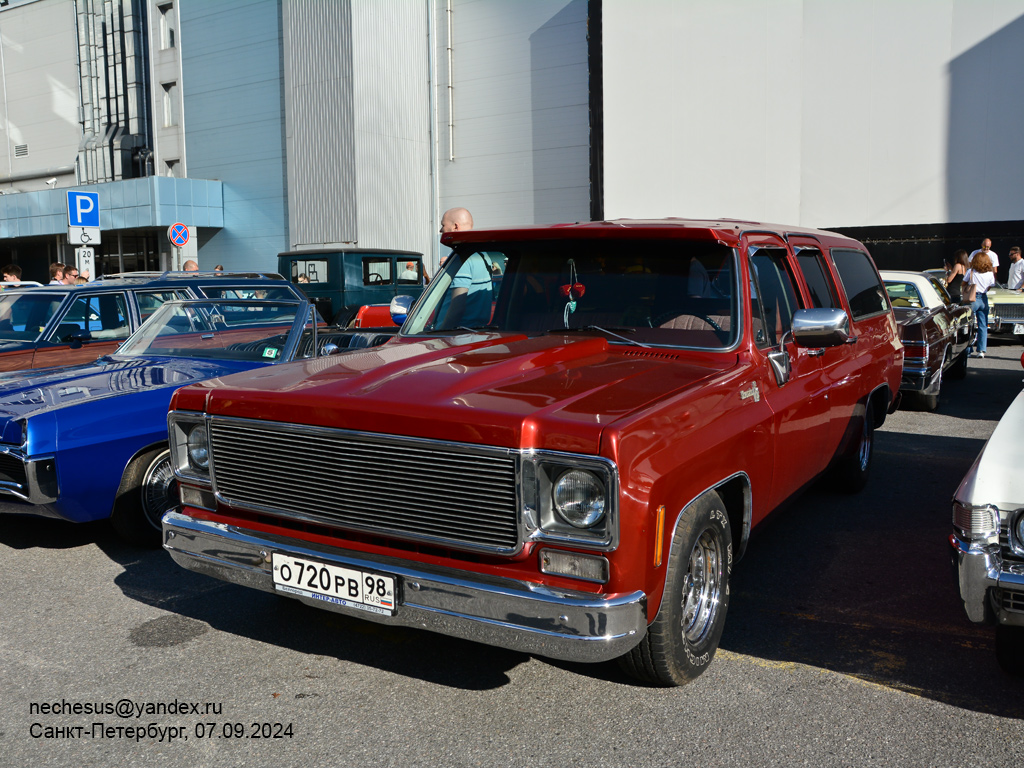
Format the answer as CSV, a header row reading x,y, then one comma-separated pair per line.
x,y
574,565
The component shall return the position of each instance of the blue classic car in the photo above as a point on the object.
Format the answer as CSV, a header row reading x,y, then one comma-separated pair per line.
x,y
88,442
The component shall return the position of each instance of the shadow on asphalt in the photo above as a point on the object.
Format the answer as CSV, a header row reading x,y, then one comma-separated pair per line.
x,y
860,585
152,577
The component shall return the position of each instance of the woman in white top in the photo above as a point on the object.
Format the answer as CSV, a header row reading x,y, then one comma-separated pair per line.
x,y
981,276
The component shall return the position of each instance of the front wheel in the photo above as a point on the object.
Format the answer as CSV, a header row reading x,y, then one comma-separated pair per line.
x,y
683,638
148,490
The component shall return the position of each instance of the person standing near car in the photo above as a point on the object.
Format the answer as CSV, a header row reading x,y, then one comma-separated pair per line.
x,y
955,272
979,278
1015,281
986,245
57,273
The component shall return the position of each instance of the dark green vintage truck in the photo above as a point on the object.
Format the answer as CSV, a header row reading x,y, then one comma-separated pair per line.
x,y
343,281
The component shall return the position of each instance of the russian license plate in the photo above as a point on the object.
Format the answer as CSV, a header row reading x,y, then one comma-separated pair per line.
x,y
1018,328
363,590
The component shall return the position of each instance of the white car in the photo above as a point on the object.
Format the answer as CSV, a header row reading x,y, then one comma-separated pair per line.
x,y
988,538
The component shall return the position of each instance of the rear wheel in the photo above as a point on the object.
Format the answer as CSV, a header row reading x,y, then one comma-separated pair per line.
x,y
148,490
958,370
1010,649
683,638
853,468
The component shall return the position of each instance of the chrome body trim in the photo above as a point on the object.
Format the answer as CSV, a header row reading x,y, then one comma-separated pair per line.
x,y
518,615
39,489
981,573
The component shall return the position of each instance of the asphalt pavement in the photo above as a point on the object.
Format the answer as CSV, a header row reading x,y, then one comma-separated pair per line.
x,y
845,645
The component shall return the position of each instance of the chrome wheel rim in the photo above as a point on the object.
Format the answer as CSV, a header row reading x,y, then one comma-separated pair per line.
x,y
159,489
864,454
702,588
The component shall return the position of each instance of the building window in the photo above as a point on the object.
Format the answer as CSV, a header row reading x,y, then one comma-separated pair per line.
x,y
170,104
166,12
172,168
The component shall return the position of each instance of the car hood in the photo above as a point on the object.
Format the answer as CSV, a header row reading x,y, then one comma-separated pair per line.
x,y
1004,296
995,477
27,393
554,392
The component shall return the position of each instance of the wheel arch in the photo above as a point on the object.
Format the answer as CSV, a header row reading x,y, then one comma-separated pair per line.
x,y
125,480
735,494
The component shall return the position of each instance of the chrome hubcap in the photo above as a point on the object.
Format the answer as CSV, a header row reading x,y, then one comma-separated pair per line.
x,y
702,587
159,489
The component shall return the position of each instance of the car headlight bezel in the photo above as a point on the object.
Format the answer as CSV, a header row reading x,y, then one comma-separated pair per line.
x,y
542,471
189,436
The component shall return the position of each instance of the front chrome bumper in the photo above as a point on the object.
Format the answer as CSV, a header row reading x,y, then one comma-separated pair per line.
x,y
982,578
518,615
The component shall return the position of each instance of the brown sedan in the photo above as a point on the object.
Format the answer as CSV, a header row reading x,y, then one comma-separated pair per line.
x,y
935,330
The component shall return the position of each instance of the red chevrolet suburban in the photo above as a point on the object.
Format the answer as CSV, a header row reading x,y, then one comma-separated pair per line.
x,y
565,448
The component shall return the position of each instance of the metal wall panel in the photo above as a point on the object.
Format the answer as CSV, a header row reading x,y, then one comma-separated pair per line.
x,y
231,84
516,149
815,112
318,95
392,125
39,86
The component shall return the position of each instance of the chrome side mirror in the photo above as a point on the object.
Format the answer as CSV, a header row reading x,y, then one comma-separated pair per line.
x,y
400,306
330,348
820,327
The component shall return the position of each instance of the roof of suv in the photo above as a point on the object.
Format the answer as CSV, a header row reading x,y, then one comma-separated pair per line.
x,y
130,280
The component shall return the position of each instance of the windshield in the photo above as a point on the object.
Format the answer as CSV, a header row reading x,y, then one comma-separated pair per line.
x,y
24,315
255,331
650,292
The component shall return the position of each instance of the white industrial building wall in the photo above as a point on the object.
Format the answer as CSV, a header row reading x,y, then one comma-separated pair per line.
x,y
515,147
816,112
391,99
39,86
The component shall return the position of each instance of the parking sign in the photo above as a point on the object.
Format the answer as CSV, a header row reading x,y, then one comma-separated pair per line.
x,y
83,209
83,217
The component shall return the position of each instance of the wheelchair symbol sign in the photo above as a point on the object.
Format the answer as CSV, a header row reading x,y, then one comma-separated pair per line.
x,y
178,234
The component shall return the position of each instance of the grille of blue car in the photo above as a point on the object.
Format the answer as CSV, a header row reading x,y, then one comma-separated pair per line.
x,y
457,496
12,469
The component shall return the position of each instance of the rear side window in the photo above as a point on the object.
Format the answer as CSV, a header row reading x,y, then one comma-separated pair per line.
x,y
150,301
819,281
861,283
259,291
309,271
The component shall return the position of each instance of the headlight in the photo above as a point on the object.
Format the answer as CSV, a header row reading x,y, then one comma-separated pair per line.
x,y
579,498
198,447
1020,530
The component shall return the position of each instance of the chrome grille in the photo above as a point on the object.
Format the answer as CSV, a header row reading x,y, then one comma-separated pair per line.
x,y
1008,311
453,495
1013,601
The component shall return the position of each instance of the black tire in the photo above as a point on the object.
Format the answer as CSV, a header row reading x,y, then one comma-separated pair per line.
x,y
682,640
853,468
148,490
1010,649
958,370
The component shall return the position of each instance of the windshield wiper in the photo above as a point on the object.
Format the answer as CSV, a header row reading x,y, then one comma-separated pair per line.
x,y
605,331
